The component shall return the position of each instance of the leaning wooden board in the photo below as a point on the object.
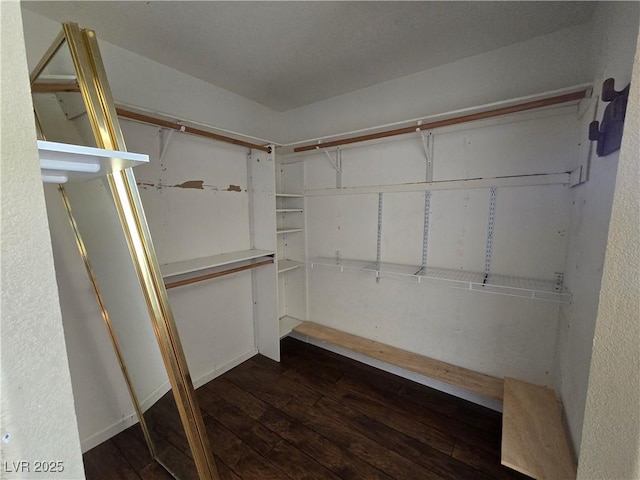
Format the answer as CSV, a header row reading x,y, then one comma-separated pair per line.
x,y
469,380
533,438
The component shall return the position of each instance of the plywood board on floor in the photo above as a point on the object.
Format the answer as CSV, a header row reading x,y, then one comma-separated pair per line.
x,y
533,437
469,380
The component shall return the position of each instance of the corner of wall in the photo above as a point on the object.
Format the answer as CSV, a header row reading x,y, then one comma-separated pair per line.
x,y
38,418
611,429
613,34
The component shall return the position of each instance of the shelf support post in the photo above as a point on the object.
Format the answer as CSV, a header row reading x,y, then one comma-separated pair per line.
x,y
425,233
379,243
490,228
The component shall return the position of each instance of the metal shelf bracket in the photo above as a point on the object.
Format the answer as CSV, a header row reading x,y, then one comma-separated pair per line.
x,y
427,146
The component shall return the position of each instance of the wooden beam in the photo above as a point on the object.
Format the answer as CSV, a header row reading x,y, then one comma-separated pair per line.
x,y
208,276
463,378
533,438
521,107
194,131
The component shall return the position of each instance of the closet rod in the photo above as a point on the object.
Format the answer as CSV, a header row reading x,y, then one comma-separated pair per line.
x,y
521,107
73,87
208,276
183,128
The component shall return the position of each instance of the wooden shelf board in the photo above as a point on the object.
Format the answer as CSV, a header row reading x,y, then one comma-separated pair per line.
x,y
287,324
463,378
280,231
287,265
533,437
204,263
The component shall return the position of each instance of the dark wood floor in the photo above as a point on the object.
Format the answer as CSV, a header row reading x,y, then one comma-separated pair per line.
x,y
316,415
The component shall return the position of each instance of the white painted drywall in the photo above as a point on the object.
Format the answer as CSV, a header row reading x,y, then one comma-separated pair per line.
x,y
215,317
493,334
615,27
138,81
38,420
611,429
557,60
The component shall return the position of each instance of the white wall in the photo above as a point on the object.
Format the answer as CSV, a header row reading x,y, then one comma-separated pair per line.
x,y
38,420
553,61
215,317
141,82
610,438
614,30
493,334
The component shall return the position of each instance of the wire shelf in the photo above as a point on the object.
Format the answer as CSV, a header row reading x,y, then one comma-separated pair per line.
x,y
448,277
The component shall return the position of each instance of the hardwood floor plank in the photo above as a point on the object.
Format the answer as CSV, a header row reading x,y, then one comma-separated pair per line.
x,y
316,415
484,460
254,434
428,417
270,387
241,458
344,464
107,453
225,472
409,447
155,471
178,463
369,450
462,410
402,423
297,464
133,447
237,396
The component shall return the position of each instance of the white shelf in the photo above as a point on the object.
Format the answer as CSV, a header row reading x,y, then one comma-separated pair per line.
x,y
287,324
446,277
287,265
289,210
281,231
289,195
62,162
515,181
205,263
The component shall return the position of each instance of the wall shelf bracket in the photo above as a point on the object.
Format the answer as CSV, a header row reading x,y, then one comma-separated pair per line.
x,y
427,146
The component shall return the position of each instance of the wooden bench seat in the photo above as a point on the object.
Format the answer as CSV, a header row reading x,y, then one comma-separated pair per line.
x,y
463,378
533,438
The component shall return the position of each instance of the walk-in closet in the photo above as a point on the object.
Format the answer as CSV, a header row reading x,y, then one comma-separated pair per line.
x,y
371,239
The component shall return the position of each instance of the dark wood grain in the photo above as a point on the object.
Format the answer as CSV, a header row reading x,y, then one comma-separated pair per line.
x,y
316,415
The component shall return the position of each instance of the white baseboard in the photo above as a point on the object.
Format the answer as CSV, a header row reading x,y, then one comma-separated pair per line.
x,y
130,419
223,369
105,434
415,377
153,397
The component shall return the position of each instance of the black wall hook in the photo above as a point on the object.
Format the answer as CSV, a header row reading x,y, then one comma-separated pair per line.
x,y
608,133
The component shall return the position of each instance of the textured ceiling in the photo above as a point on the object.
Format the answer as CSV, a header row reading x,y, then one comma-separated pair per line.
x,y
289,54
